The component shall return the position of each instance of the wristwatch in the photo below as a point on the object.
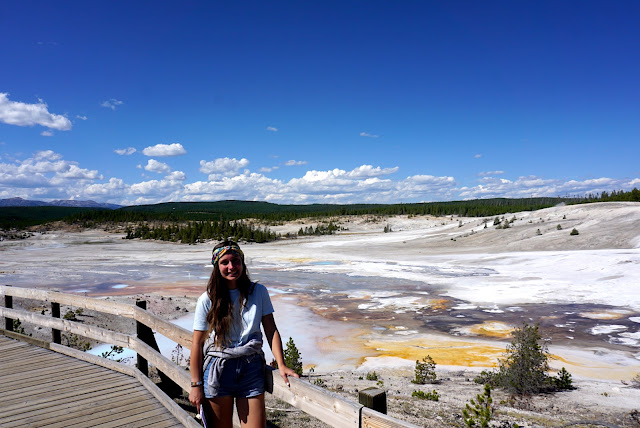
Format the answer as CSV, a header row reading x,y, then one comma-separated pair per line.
x,y
198,383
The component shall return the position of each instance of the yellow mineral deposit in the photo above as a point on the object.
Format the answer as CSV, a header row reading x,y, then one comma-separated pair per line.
x,y
441,304
614,314
495,329
443,351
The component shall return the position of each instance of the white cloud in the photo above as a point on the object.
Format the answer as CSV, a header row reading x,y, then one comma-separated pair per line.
x,y
248,186
81,117
159,167
486,173
47,133
272,129
366,134
222,167
46,173
75,172
125,152
295,163
361,184
369,171
533,186
49,155
112,103
23,114
174,149
115,186
170,188
477,156
176,176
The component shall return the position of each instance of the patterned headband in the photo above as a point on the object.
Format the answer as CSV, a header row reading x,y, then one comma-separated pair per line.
x,y
221,251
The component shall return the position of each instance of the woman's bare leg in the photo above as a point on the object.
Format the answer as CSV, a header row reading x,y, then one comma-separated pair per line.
x,y
221,414
252,412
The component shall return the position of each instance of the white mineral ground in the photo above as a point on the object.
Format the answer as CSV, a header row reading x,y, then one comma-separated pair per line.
x,y
367,300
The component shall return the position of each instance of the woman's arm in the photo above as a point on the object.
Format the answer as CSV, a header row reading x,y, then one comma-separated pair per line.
x,y
275,343
196,395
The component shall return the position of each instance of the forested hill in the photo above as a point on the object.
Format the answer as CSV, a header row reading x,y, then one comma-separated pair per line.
x,y
233,210
20,217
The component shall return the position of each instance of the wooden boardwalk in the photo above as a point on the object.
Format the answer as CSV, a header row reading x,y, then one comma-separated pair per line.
x,y
42,388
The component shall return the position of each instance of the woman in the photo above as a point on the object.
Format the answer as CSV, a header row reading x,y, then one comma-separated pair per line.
x,y
227,361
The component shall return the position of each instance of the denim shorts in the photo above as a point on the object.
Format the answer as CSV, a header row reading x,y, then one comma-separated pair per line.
x,y
241,377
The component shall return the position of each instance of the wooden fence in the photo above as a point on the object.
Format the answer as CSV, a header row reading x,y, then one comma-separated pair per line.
x,y
328,407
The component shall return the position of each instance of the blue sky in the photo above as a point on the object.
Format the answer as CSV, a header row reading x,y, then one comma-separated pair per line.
x,y
318,101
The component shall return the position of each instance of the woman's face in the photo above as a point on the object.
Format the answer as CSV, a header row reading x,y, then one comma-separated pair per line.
x,y
230,266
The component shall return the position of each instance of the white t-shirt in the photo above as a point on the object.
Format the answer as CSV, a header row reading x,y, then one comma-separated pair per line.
x,y
244,328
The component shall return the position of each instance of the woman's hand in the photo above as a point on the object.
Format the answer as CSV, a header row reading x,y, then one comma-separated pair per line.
x,y
285,372
273,337
196,396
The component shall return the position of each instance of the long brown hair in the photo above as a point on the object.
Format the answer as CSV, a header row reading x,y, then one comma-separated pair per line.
x,y
220,316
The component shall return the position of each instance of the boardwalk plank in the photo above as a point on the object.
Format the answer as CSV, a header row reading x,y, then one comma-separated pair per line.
x,y
9,346
77,417
22,348
26,364
38,373
160,421
127,419
39,388
72,382
47,400
47,373
46,388
56,412
20,357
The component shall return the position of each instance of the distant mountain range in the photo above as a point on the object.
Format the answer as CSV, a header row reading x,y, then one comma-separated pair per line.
x,y
19,202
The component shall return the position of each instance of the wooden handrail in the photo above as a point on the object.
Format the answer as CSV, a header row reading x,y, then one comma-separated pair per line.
x,y
99,305
329,407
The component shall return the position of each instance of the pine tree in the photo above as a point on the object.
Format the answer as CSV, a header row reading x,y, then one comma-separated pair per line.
x,y
524,369
292,357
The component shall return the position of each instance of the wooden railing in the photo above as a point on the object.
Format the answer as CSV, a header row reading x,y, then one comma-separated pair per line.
x,y
329,407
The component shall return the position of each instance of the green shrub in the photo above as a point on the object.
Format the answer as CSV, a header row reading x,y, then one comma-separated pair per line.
x,y
70,315
18,328
563,380
485,377
432,396
574,232
523,370
292,357
319,382
74,341
425,371
372,376
115,350
480,411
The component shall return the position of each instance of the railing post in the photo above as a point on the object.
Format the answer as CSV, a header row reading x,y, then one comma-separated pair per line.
x,y
142,331
374,398
56,335
8,303
145,334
